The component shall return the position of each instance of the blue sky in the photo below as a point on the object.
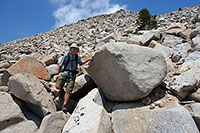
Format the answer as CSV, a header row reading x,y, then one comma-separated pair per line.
x,y
23,18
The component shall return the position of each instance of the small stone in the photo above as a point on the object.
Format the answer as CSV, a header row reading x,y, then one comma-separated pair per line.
x,y
152,106
146,100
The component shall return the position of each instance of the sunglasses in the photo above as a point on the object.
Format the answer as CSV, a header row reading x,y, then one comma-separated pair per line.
x,y
74,48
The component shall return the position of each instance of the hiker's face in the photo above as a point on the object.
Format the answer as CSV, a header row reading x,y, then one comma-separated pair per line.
x,y
73,50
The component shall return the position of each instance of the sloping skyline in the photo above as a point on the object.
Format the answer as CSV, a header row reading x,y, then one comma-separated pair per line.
x,y
24,18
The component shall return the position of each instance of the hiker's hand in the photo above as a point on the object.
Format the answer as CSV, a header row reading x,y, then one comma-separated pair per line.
x,y
90,58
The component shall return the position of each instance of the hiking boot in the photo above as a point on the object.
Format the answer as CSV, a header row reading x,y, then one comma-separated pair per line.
x,y
61,94
64,107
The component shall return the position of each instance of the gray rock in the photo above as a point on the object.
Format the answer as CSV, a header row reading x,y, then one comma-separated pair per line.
x,y
192,60
191,65
171,40
182,49
195,32
136,118
89,117
29,88
181,84
166,51
52,69
127,70
4,88
194,110
176,58
22,127
196,96
53,123
83,85
50,59
175,29
196,43
10,112
144,39
5,65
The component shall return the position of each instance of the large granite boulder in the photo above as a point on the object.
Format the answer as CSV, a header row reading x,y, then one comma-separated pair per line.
x,y
28,88
89,116
12,118
136,118
10,112
26,65
127,72
194,109
21,127
54,123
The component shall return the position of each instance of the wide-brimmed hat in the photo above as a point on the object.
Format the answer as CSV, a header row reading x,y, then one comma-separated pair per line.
x,y
73,45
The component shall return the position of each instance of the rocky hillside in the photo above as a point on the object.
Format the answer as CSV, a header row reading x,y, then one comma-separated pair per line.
x,y
89,31
135,83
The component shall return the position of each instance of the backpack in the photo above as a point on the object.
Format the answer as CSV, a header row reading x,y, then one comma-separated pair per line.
x,y
67,60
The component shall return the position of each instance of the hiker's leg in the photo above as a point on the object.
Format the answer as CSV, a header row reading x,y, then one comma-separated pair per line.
x,y
60,82
59,85
69,87
66,98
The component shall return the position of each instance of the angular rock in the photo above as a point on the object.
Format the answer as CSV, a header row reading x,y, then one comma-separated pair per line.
x,y
10,112
175,29
196,43
50,59
196,96
53,123
89,116
52,69
194,110
4,88
171,40
136,118
144,39
195,32
127,68
22,127
29,89
5,65
181,85
83,85
192,61
185,34
191,65
166,51
26,65
182,49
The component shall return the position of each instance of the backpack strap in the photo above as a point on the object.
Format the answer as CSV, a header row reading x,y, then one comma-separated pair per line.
x,y
67,60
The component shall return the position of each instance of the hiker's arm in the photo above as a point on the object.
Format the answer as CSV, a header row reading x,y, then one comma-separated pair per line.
x,y
58,69
87,61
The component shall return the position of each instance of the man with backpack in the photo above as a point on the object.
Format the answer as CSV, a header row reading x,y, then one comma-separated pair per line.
x,y
67,70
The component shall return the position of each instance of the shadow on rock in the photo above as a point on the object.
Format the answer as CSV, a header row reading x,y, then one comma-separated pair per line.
x,y
28,113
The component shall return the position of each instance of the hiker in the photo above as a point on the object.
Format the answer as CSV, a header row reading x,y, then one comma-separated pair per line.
x,y
67,70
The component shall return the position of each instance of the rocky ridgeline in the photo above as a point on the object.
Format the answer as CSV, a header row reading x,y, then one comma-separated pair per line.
x,y
135,83
185,15
88,32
